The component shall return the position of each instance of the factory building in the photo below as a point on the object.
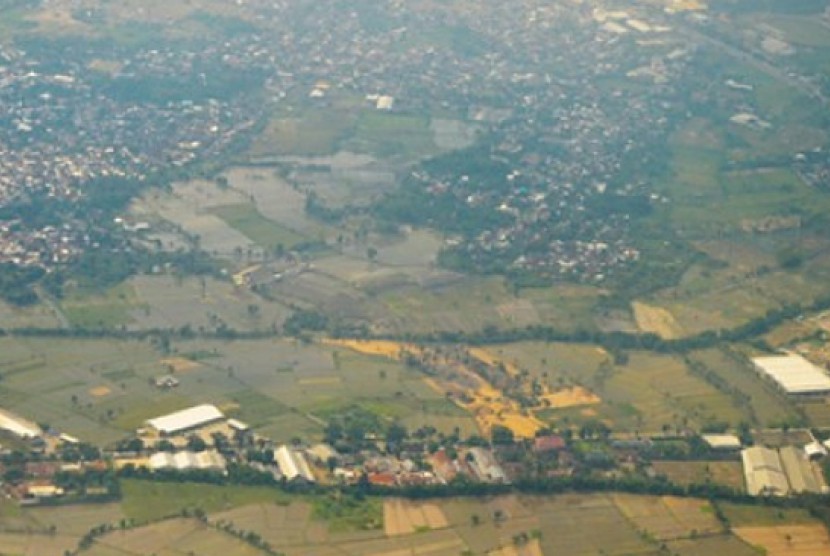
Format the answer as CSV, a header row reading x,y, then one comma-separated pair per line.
x,y
794,375
764,472
186,420
187,461
293,465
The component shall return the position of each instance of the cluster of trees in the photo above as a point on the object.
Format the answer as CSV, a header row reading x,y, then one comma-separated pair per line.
x,y
16,283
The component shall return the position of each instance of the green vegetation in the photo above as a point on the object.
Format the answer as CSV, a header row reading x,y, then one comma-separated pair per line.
x,y
146,501
347,512
253,225
110,309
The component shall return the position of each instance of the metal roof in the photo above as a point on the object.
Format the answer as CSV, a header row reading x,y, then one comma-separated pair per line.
x,y
292,464
794,374
186,419
763,472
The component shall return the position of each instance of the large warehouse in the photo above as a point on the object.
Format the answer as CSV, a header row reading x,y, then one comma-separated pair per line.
x,y
293,465
764,472
186,420
794,375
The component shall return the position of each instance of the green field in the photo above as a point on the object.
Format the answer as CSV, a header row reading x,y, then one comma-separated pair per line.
x,y
806,31
147,501
571,524
108,310
252,224
392,135
766,407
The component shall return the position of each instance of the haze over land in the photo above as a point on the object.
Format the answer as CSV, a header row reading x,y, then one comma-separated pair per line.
x,y
427,234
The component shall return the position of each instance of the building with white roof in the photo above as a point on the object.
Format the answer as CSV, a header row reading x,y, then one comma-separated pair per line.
x,y
18,425
293,465
724,442
800,472
815,450
794,375
764,472
186,420
185,461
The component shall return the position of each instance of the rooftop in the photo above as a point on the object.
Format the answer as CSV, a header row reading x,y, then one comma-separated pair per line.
x,y
186,419
763,472
794,374
722,441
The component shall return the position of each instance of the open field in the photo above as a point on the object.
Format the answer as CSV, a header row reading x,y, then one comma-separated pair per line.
x,y
726,473
38,316
170,302
172,536
765,405
668,518
145,501
188,207
314,133
252,224
99,391
707,546
634,395
472,388
800,30
758,516
664,392
108,310
569,524
781,540
276,200
656,320
740,286
401,517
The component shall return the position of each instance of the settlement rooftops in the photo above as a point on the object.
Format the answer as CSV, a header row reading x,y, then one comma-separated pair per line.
x,y
186,419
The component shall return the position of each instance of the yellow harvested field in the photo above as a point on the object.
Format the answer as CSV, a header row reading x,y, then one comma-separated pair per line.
x,y
532,548
469,390
667,517
403,517
787,540
572,397
180,364
393,350
489,359
99,391
656,320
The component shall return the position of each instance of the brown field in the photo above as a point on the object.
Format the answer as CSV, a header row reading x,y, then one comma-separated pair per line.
x,y
711,546
532,548
662,391
767,406
402,517
656,320
512,525
667,517
180,364
174,536
571,397
99,391
727,473
27,544
787,540
470,391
